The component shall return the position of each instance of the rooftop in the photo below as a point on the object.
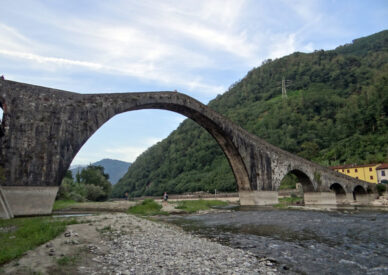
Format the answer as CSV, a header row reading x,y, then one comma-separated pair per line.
x,y
356,165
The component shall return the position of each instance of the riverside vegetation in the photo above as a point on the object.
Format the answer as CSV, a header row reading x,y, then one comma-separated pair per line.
x,y
336,113
149,207
21,234
90,184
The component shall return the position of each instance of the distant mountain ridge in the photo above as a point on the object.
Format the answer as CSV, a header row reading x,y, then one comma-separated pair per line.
x,y
113,167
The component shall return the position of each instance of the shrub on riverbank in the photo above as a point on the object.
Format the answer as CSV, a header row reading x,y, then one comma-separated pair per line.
x,y
192,206
21,234
147,207
381,188
91,184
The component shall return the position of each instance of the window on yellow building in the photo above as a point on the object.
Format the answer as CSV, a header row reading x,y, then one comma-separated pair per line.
x,y
355,170
347,171
356,177
371,177
370,169
343,170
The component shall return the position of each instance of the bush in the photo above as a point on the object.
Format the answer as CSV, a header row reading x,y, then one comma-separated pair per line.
x,y
70,190
381,188
92,184
76,197
148,207
95,193
288,182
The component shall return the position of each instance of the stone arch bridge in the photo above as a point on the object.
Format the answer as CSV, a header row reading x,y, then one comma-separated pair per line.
x,y
43,129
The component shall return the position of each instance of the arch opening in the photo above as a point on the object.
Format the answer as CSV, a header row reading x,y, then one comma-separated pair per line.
x,y
340,193
293,187
221,136
360,194
223,139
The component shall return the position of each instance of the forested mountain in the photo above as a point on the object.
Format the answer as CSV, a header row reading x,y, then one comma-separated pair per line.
x,y
336,112
113,167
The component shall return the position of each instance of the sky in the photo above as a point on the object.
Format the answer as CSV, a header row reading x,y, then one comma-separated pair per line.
x,y
195,47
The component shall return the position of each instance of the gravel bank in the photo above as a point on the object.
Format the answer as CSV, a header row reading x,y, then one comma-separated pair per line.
x,y
138,246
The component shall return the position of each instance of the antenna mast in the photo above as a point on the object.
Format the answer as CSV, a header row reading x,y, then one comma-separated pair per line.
x,y
284,91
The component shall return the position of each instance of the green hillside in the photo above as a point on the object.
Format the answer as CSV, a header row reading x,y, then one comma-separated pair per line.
x,y
336,112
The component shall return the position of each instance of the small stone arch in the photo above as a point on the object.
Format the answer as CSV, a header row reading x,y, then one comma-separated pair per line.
x,y
360,194
304,184
340,193
304,180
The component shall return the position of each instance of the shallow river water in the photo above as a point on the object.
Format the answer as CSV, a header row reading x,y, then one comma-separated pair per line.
x,y
302,242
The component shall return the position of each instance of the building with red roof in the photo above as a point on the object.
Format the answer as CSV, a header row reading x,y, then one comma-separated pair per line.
x,y
382,173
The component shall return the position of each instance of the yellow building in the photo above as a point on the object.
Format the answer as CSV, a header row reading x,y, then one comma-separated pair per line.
x,y
366,172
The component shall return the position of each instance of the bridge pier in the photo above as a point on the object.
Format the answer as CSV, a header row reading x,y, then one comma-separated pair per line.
x,y
27,200
320,198
5,210
350,198
258,197
363,198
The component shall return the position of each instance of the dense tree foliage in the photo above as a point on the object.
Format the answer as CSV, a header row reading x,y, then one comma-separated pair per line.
x,y
336,113
91,184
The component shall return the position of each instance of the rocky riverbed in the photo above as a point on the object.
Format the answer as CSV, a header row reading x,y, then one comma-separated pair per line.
x,y
118,243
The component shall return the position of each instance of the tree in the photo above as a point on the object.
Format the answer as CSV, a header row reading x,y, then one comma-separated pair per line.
x,y
91,184
94,175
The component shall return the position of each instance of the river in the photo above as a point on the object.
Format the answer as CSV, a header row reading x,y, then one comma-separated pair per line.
x,y
300,241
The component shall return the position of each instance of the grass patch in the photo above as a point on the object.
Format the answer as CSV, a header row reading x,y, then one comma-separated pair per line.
x,y
287,201
105,229
291,200
62,204
192,206
21,234
67,260
147,207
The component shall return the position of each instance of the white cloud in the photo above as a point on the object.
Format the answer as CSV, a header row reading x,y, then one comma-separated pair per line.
x,y
284,46
12,39
193,46
142,71
55,60
127,153
130,153
146,40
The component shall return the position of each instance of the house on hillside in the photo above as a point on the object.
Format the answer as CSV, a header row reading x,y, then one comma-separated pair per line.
x,y
382,173
365,172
